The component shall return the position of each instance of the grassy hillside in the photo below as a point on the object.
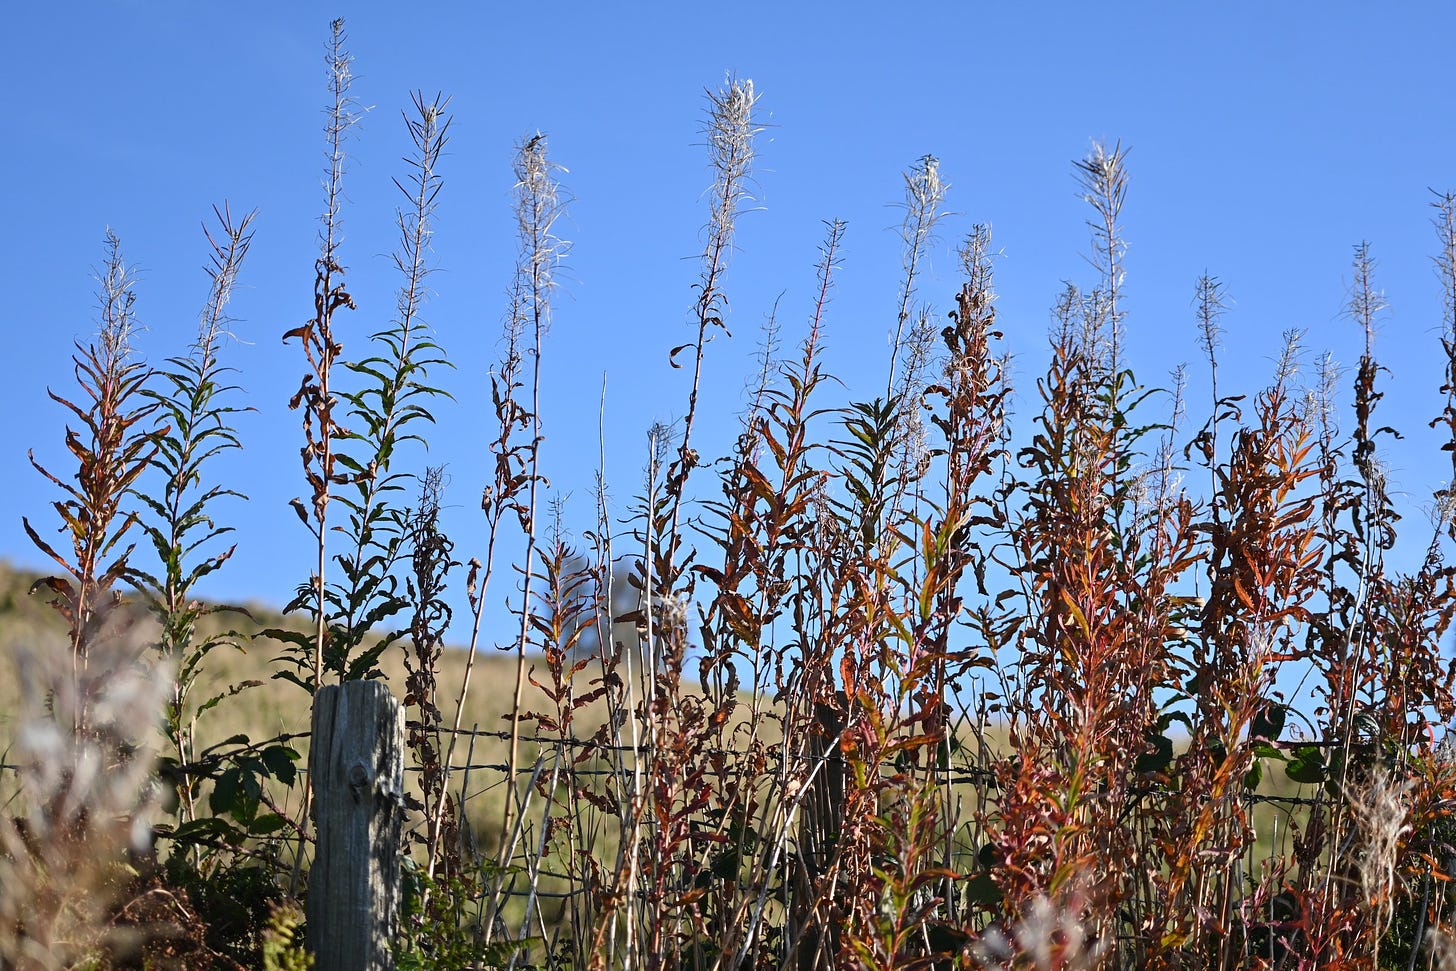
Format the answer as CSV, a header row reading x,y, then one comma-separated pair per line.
x,y
274,706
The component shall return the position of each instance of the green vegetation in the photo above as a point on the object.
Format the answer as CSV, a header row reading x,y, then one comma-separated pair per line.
x,y
888,683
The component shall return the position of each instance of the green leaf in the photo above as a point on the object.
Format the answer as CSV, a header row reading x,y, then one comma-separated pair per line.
x,y
982,889
238,739
279,761
266,824
1307,766
1263,750
207,828
1158,758
227,792
1269,722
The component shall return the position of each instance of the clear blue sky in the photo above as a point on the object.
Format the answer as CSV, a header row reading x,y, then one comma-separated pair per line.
x,y
1266,140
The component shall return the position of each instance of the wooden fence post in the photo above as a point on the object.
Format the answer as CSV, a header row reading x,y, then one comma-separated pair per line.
x,y
357,762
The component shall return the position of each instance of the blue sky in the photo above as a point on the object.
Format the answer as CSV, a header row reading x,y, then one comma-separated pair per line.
x,y
1266,141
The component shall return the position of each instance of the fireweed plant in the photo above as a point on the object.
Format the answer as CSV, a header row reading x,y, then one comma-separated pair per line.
x,y
884,682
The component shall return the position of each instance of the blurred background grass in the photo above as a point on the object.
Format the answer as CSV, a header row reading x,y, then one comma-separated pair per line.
x,y
276,707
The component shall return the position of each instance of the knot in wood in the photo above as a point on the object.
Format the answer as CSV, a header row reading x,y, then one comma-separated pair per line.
x,y
359,778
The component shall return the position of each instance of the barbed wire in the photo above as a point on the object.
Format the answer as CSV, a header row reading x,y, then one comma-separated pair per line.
x,y
970,775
